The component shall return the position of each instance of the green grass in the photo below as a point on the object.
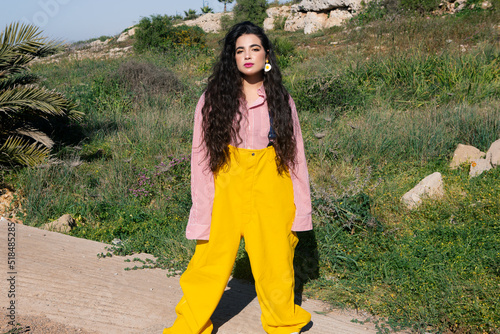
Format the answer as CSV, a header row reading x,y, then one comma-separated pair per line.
x,y
394,98
438,266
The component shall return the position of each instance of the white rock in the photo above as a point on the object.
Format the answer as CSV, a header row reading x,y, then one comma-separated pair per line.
x,y
485,5
430,187
123,37
336,18
326,5
269,23
275,13
314,22
209,22
98,44
295,21
494,153
464,154
64,224
478,166
127,34
451,6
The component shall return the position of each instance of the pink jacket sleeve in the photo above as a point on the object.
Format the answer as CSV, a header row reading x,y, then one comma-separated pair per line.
x,y
300,180
202,183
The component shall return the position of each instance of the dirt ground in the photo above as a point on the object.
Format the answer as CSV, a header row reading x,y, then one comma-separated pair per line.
x,y
62,287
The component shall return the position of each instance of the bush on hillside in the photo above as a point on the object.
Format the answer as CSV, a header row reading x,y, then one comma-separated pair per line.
x,y
319,93
147,78
378,9
226,22
190,14
158,33
422,6
372,11
285,52
250,10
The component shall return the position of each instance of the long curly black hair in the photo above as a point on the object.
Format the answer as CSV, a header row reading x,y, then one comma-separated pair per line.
x,y
221,115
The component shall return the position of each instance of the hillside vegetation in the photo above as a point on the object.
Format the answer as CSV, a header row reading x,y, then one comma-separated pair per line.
x,y
383,103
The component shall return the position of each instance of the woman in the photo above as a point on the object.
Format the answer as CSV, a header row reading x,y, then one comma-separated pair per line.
x,y
248,179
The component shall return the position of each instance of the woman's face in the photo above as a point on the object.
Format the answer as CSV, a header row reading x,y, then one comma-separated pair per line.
x,y
250,56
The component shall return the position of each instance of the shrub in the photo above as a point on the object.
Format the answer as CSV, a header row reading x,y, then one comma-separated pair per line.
x,y
206,9
378,9
104,38
285,51
337,93
279,22
158,33
226,21
190,14
147,78
422,6
371,11
250,10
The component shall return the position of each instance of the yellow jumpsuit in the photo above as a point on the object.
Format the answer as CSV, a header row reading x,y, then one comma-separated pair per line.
x,y
252,201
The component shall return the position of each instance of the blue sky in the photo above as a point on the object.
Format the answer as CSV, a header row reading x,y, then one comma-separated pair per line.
x,y
75,20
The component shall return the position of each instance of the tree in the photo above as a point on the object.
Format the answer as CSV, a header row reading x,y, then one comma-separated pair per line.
x,y
159,33
190,14
225,2
250,10
25,107
206,10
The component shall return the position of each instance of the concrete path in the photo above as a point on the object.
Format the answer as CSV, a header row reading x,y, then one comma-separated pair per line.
x,y
61,278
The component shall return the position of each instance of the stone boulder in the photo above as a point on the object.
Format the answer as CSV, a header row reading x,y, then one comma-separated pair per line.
x,y
127,34
309,15
494,153
6,200
430,187
478,166
98,44
64,224
295,21
9,205
451,6
486,5
465,154
327,5
274,14
314,22
209,22
314,15
337,17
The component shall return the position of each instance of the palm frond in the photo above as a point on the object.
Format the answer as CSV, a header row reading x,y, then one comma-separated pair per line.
x,y
22,102
74,114
32,99
36,135
20,44
23,78
25,39
50,48
21,151
11,62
